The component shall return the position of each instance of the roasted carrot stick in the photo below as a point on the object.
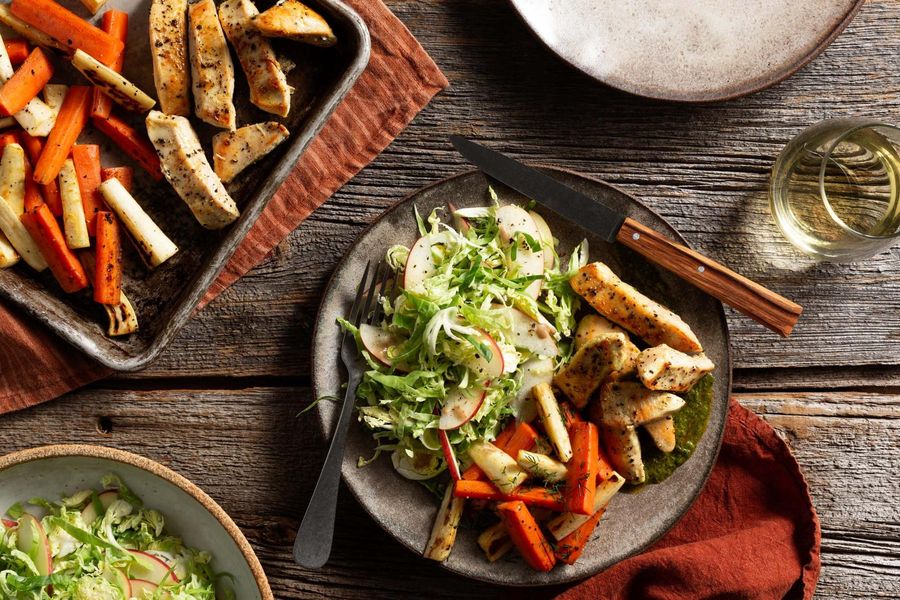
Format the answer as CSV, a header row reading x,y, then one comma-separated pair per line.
x,y
33,148
569,413
33,196
68,29
523,437
581,477
134,144
569,549
125,175
17,50
527,536
70,122
45,231
533,496
604,468
87,165
115,23
10,137
26,83
108,269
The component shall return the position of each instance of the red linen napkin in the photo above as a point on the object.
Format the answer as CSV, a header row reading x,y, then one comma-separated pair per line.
x,y
400,80
752,534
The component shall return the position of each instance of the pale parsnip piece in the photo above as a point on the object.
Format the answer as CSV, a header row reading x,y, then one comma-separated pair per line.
x,y
186,168
113,84
36,118
19,238
269,89
495,541
663,433
551,416
169,52
443,533
27,31
566,523
664,368
123,318
54,94
500,467
296,21
591,365
12,178
234,151
156,247
212,72
541,466
630,403
74,223
8,254
623,304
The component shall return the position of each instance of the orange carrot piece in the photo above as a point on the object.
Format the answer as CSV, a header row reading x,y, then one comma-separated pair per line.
x,y
134,144
33,148
125,175
33,196
17,50
45,231
604,468
87,166
10,137
533,496
527,536
115,23
581,477
70,122
515,437
570,414
108,268
68,29
26,83
569,549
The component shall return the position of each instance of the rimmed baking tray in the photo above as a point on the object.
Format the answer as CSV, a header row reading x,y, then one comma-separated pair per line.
x,y
164,298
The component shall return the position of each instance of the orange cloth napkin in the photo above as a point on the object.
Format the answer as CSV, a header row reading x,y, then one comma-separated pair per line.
x,y
399,81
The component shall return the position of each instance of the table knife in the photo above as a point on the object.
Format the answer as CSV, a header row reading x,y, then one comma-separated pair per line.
x,y
760,304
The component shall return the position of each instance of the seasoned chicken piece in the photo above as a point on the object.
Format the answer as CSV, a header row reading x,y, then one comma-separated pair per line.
x,y
294,20
211,68
621,303
624,451
663,433
590,366
269,89
169,52
234,151
664,368
186,168
630,403
591,327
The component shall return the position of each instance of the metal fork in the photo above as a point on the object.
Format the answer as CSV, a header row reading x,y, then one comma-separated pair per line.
x,y
314,538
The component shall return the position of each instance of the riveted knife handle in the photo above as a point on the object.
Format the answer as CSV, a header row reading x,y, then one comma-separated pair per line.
x,y
760,304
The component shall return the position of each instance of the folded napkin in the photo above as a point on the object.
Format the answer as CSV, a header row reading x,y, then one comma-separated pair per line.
x,y
399,81
752,534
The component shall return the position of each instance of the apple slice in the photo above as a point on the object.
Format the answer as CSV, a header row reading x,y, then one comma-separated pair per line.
x,y
512,219
546,238
423,465
449,456
148,567
419,265
9,524
534,371
32,540
530,335
459,407
118,578
107,497
487,367
141,589
377,341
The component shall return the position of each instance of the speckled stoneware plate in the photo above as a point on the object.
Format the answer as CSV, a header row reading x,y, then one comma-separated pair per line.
x,y
49,471
696,51
165,297
404,508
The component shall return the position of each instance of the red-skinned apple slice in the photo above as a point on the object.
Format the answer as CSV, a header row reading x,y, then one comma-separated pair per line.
x,y
419,265
546,237
534,371
530,335
449,456
151,568
377,341
484,367
107,497
141,588
512,219
118,578
459,407
9,524
32,540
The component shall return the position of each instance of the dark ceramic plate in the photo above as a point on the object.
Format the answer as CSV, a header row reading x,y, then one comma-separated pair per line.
x,y
698,51
404,508
165,297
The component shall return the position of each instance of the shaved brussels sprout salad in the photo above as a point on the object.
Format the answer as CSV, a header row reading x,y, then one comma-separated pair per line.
x,y
99,545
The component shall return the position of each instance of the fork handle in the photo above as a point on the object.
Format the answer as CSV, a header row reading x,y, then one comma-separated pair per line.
x,y
760,304
314,538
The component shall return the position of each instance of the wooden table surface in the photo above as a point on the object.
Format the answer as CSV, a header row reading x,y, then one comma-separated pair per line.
x,y
221,406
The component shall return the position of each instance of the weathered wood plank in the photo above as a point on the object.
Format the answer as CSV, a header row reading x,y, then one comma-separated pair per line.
x,y
846,443
703,167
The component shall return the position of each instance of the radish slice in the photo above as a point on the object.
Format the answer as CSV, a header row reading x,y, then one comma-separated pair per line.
x,y
530,335
449,456
512,219
89,514
546,238
419,265
377,341
33,541
459,407
151,568
487,367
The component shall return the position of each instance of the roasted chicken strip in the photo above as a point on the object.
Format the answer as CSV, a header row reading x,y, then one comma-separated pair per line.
x,y
234,151
169,52
211,68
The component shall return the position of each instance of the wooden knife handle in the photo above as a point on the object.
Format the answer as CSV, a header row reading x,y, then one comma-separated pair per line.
x,y
760,304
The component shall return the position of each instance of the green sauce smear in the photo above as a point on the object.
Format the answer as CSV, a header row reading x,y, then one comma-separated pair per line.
x,y
690,423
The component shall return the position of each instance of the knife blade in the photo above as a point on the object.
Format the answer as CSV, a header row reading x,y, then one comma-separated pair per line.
x,y
763,305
